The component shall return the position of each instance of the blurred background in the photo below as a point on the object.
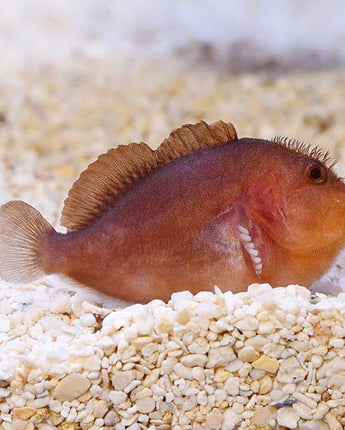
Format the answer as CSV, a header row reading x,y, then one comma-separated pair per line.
x,y
78,77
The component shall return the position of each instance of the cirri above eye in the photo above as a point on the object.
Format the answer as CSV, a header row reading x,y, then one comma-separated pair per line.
x,y
317,173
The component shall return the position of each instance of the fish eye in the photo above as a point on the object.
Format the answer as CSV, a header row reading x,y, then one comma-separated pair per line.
x,y
317,173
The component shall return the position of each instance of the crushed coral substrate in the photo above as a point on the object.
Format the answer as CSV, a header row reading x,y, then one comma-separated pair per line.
x,y
262,359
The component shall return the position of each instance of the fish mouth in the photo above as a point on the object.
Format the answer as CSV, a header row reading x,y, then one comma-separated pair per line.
x,y
252,252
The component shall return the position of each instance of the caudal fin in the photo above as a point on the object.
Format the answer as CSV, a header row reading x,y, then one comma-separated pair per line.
x,y
22,231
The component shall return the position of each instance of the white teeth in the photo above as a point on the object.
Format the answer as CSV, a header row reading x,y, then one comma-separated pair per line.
x,y
245,237
250,248
242,229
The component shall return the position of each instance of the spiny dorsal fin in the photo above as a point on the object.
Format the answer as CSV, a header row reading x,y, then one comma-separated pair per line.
x,y
192,137
101,183
115,172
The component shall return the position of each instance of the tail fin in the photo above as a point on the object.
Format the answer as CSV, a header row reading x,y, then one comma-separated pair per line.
x,y
22,230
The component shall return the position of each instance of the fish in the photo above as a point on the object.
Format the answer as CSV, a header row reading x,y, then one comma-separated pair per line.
x,y
204,209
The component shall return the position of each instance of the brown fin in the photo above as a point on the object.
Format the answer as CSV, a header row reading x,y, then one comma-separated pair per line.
x,y
192,137
22,229
103,181
115,172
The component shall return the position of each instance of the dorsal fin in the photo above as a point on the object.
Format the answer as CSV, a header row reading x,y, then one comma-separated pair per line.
x,y
115,172
98,186
192,137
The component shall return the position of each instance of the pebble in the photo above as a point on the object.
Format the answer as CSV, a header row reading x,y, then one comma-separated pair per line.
x,y
117,397
220,356
145,405
266,384
214,419
232,385
192,360
111,419
287,417
248,323
262,417
71,387
24,413
88,320
231,419
266,363
247,354
121,379
332,422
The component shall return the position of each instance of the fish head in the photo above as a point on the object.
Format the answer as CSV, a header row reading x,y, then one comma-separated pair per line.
x,y
299,201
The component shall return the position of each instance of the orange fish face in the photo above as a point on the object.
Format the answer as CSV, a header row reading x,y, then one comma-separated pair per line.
x,y
300,205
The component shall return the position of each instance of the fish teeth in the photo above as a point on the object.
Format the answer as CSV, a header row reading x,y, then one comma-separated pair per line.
x,y
249,246
252,251
245,237
242,229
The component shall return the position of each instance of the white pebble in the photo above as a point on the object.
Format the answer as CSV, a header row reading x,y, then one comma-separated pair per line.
x,y
117,397
287,417
88,320
145,405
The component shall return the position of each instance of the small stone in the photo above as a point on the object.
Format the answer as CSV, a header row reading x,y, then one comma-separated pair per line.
x,y
111,418
88,320
23,413
231,419
313,425
100,408
287,417
121,379
232,385
221,375
302,398
168,365
145,405
247,354
152,378
199,346
214,419
92,363
255,290
266,327
140,342
183,371
264,362
17,425
149,349
117,397
249,323
321,410
145,392
262,417
192,360
332,422
303,411
220,356
184,316
265,384
71,387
